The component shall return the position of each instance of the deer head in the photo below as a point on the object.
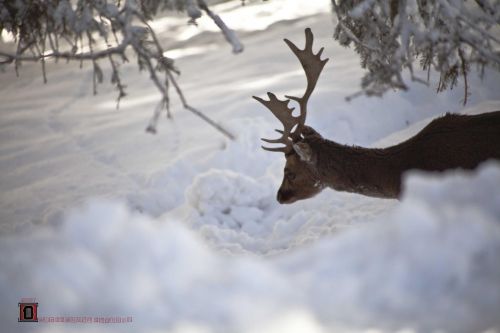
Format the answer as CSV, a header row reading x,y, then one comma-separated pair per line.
x,y
300,179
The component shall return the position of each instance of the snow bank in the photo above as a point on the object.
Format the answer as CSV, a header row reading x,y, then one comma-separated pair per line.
x,y
431,264
106,261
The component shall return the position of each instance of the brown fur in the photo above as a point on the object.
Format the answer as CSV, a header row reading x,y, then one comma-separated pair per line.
x,y
452,141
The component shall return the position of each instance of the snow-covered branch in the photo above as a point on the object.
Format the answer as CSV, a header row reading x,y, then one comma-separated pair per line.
x,y
447,36
228,33
100,30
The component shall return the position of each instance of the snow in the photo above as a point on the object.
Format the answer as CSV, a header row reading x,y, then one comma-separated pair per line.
x,y
435,254
181,230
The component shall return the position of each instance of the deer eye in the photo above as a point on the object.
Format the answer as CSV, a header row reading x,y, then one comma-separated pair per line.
x,y
290,175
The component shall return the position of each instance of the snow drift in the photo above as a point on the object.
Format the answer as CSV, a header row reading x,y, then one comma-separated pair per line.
x,y
430,264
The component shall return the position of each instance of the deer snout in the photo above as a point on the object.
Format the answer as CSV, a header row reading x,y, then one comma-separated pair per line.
x,y
285,197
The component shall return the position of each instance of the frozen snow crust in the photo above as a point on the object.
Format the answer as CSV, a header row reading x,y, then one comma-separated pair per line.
x,y
181,231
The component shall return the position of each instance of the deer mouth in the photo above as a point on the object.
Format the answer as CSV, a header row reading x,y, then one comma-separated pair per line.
x,y
285,197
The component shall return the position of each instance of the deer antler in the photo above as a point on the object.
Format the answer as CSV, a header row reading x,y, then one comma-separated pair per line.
x,y
313,65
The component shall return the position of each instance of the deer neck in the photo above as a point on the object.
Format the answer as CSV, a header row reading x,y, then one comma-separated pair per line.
x,y
371,172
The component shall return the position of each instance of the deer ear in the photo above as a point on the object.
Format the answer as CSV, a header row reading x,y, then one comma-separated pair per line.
x,y
304,151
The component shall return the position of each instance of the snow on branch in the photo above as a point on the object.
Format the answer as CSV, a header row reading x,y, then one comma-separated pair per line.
x,y
447,36
228,33
102,30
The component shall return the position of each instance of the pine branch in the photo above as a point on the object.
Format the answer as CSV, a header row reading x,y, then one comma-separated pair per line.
x,y
445,36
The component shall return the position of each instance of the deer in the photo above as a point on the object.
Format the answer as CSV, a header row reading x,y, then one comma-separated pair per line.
x,y
314,163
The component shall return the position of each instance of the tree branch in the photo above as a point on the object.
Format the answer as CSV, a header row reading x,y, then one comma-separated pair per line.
x,y
43,25
228,33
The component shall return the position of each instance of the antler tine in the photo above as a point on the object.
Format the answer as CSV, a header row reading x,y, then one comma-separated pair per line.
x,y
277,149
272,140
280,140
312,65
284,114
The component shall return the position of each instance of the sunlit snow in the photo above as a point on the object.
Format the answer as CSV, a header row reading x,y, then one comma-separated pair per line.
x,y
181,230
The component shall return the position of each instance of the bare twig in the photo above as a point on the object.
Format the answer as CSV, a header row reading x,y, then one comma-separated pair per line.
x,y
64,55
115,79
464,73
197,112
156,115
168,69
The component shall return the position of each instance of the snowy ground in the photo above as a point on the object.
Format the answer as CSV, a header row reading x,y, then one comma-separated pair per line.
x,y
181,230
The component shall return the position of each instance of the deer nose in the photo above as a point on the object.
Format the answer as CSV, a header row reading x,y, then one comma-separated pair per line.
x,y
282,196
278,197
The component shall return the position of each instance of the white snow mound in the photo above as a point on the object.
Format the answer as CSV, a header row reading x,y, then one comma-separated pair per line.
x,y
432,264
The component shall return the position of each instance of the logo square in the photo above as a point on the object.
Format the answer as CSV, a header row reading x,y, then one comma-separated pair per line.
x,y
28,312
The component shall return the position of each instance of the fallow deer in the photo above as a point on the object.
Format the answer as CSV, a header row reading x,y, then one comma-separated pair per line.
x,y
314,163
